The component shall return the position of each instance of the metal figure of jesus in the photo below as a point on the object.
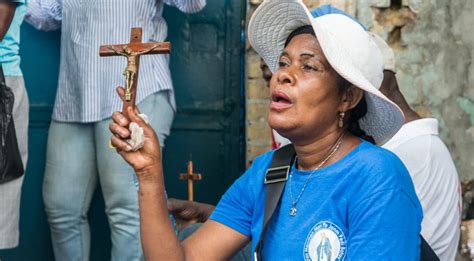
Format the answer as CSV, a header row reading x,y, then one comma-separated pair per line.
x,y
132,51
131,69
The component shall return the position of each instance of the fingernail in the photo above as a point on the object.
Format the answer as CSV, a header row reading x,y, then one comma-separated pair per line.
x,y
128,148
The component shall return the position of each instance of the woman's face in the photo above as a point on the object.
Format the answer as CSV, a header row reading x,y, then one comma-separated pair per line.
x,y
305,101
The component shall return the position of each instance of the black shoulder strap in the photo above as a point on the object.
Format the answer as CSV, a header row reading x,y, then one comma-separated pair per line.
x,y
2,77
275,180
427,253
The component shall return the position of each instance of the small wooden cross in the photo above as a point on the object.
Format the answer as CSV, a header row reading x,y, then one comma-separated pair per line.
x,y
190,177
132,52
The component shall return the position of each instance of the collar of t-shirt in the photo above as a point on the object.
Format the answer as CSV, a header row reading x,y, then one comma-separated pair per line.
x,y
411,130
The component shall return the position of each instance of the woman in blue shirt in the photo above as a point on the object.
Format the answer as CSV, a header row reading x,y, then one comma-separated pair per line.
x,y
345,198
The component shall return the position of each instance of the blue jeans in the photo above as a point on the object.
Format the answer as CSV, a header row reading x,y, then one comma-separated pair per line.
x,y
78,156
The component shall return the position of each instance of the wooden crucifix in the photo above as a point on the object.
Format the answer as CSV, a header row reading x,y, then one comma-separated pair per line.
x,y
132,52
190,177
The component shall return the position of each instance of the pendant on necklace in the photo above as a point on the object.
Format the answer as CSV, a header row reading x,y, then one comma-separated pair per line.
x,y
293,211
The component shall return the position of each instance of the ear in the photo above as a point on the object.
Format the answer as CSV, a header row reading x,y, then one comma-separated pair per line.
x,y
350,98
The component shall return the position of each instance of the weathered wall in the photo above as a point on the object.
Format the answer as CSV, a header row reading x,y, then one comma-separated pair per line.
x,y
434,47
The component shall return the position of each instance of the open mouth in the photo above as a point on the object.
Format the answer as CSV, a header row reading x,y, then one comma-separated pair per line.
x,y
280,97
280,100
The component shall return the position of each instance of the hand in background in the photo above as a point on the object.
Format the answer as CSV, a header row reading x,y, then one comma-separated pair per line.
x,y
188,212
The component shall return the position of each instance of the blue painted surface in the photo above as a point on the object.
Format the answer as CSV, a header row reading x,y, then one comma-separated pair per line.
x,y
206,68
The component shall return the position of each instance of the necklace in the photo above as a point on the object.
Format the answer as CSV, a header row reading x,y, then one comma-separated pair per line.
x,y
334,149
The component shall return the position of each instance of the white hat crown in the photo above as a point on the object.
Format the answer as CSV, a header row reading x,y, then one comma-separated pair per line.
x,y
355,44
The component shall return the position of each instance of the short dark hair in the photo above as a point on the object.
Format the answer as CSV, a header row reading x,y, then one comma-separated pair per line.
x,y
305,29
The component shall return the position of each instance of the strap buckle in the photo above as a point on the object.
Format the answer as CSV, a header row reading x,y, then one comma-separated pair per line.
x,y
278,174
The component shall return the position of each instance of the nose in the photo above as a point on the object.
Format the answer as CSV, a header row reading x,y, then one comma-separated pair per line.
x,y
285,77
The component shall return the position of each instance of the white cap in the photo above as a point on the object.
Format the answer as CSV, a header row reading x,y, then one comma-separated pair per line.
x,y
387,53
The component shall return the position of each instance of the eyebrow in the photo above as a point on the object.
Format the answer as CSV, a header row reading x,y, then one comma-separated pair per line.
x,y
284,53
308,54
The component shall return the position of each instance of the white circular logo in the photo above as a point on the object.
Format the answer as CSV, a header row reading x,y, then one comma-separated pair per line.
x,y
325,242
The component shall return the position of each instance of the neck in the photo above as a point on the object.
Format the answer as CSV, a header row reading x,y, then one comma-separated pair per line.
x,y
392,91
311,154
410,115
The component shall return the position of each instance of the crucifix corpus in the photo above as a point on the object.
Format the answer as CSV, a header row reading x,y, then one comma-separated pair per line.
x,y
190,177
132,52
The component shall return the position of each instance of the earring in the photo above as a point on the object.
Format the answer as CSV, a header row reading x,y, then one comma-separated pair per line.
x,y
341,119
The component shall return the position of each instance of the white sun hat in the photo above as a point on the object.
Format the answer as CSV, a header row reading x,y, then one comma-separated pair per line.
x,y
387,53
348,48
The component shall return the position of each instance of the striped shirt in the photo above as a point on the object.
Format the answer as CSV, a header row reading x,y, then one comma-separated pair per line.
x,y
87,82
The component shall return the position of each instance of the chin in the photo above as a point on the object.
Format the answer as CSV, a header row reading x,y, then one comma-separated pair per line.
x,y
279,123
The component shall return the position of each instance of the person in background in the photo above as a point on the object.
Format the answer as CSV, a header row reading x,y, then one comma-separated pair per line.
x,y
12,13
78,154
429,163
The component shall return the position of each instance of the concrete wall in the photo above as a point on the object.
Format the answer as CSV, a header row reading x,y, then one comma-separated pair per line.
x,y
434,47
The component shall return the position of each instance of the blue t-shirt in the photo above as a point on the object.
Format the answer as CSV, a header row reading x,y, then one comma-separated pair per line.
x,y
10,46
363,207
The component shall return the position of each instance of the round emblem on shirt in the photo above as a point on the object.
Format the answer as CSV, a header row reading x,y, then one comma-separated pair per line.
x,y
325,242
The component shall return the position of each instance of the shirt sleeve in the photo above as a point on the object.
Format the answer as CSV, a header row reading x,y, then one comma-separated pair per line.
x,y
235,209
44,15
384,226
187,6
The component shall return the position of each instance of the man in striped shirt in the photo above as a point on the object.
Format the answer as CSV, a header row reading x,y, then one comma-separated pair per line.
x,y
78,156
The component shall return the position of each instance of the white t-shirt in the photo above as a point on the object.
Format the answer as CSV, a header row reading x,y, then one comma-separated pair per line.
x,y
278,140
436,182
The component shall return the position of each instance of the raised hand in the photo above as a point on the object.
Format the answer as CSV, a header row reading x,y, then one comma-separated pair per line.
x,y
144,158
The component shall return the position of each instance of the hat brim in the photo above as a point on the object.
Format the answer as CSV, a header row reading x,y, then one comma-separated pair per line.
x,y
270,26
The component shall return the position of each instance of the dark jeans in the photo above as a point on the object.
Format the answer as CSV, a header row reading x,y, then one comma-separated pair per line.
x,y
243,255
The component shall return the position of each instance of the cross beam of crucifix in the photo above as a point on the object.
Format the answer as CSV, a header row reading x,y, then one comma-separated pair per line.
x,y
190,177
132,51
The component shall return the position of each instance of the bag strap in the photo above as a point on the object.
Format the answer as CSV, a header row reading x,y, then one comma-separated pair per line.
x,y
426,252
2,77
275,179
